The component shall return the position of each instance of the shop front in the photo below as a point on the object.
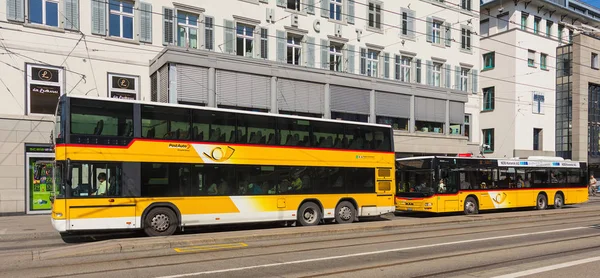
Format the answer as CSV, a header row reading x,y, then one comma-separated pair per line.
x,y
38,180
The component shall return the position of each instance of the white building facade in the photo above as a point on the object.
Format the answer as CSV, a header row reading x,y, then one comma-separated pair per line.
x,y
519,41
414,65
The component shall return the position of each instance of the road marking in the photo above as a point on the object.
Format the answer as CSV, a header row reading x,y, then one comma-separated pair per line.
x,y
210,247
549,268
369,253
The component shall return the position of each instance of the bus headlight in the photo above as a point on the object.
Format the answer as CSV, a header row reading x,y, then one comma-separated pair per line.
x,y
428,204
58,214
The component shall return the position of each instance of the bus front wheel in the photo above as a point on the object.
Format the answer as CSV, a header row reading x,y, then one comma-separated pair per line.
x,y
160,222
471,206
345,213
559,202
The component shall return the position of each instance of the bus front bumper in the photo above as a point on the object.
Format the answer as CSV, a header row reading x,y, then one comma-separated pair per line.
x,y
59,224
406,204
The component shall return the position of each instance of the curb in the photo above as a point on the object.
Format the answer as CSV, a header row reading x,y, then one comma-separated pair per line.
x,y
30,236
146,244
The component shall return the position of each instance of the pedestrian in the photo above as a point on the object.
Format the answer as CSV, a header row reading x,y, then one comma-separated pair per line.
x,y
593,186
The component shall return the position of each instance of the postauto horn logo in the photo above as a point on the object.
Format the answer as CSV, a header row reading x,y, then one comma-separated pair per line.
x,y
218,154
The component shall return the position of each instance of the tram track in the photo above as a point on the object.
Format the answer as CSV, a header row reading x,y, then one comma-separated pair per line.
x,y
346,242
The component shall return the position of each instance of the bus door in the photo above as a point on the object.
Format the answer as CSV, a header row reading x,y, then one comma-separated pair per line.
x,y
95,203
385,188
447,187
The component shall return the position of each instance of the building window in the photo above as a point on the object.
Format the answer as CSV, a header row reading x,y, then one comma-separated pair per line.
x,y
432,127
488,60
570,35
45,12
375,15
466,39
437,74
436,31
531,58
293,5
464,79
536,25
405,67
349,117
488,140
372,63
524,17
538,103
264,43
537,136
488,99
396,123
335,9
543,60
467,125
44,86
121,19
484,27
294,49
187,29
503,21
466,5
595,63
405,23
209,33
335,57
123,86
244,40
560,32
549,28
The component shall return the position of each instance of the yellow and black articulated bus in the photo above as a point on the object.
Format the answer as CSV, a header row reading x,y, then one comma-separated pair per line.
x,y
452,184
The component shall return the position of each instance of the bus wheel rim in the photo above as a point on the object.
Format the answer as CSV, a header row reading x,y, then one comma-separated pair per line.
x,y
160,222
558,202
470,207
345,213
309,215
541,203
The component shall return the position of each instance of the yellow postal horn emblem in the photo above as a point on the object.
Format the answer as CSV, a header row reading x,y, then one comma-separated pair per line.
x,y
219,155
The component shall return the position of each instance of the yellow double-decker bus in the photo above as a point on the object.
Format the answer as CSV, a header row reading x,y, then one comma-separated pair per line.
x,y
453,184
159,167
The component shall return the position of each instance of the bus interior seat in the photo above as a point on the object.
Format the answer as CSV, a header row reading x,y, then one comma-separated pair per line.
x,y
99,127
151,132
271,139
288,140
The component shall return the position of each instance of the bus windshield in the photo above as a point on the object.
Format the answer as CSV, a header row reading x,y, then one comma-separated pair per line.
x,y
416,178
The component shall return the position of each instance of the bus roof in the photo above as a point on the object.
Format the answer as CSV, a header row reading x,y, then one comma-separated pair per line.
x,y
225,110
537,158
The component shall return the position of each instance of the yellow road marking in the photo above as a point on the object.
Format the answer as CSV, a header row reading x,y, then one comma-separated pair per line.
x,y
210,247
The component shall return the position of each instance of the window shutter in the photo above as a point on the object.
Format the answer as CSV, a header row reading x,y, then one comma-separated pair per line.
x,y
325,8
281,3
350,17
281,55
310,7
209,33
457,74
350,55
146,22
324,54
448,70
386,62
167,26
448,34
474,79
429,72
413,70
99,18
469,40
71,14
418,72
310,57
363,61
229,36
15,10
411,23
429,29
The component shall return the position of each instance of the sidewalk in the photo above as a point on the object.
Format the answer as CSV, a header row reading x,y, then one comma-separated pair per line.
x,y
23,227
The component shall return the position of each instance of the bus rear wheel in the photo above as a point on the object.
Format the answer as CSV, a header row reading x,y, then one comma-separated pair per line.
x,y
345,213
160,222
471,206
559,201
309,214
542,202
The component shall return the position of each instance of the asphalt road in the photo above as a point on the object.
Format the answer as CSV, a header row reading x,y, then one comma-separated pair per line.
x,y
551,246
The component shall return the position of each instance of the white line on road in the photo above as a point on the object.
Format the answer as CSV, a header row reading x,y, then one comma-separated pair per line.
x,y
549,268
369,253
